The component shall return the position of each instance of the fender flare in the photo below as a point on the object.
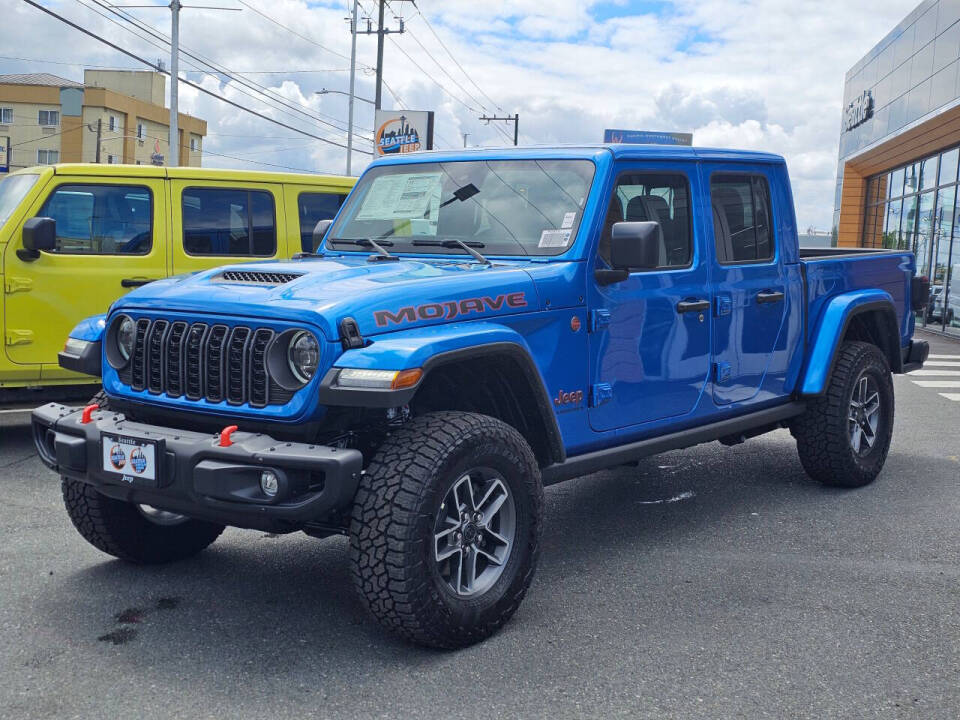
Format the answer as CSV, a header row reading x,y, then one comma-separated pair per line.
x,y
833,325
429,350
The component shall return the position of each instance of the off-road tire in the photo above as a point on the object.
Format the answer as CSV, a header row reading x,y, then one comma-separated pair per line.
x,y
822,432
119,528
392,527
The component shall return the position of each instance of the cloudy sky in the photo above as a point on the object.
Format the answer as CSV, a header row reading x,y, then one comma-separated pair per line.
x,y
759,74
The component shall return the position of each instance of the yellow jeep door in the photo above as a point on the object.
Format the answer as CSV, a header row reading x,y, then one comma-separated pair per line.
x,y
221,222
312,203
111,237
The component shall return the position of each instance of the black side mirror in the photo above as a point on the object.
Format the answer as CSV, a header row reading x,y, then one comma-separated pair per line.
x,y
633,246
319,230
39,233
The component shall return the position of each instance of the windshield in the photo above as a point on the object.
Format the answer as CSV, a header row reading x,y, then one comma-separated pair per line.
x,y
504,207
13,189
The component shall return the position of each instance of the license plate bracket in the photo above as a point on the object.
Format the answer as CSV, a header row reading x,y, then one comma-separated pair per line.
x,y
133,460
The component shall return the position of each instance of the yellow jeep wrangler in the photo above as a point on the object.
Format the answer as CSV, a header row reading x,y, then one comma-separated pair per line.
x,y
116,227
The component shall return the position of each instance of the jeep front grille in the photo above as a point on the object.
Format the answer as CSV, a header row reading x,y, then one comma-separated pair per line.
x,y
203,361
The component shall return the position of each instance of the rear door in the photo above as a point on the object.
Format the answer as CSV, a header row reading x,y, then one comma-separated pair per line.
x,y
111,236
218,223
306,206
751,299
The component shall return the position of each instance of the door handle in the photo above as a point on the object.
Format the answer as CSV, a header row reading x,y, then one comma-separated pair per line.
x,y
685,306
136,282
769,296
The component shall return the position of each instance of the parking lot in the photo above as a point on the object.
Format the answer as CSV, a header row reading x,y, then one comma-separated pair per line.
x,y
712,582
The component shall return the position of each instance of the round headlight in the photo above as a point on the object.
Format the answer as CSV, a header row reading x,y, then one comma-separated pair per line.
x,y
126,336
304,356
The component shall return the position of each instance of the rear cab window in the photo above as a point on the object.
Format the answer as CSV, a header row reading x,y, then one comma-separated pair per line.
x,y
101,219
312,207
235,222
742,218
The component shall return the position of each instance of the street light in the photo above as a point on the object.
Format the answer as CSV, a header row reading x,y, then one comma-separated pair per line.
x,y
324,91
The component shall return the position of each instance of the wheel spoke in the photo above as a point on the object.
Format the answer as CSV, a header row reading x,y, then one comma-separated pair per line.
x,y
855,437
496,537
490,509
490,556
465,502
471,573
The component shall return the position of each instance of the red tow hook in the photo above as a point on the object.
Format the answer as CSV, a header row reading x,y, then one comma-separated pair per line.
x,y
225,434
88,413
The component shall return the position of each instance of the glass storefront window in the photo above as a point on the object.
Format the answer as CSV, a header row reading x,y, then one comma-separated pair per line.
x,y
896,183
908,223
917,208
948,167
928,173
924,236
911,180
891,231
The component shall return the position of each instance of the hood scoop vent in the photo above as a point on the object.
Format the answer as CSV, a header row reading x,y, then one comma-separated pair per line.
x,y
251,277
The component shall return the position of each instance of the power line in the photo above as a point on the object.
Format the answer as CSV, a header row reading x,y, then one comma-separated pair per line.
x,y
439,65
272,96
294,32
116,67
455,61
200,88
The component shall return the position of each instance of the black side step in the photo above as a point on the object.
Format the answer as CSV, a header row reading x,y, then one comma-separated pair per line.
x,y
611,457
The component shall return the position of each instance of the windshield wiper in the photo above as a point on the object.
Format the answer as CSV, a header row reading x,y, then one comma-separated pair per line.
x,y
383,253
456,242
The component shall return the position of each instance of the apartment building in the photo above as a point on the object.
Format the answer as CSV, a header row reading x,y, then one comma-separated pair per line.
x,y
114,116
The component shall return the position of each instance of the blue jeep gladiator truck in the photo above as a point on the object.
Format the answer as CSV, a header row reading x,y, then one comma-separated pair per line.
x,y
472,327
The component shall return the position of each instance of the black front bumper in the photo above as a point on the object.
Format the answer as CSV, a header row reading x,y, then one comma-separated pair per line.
x,y
197,477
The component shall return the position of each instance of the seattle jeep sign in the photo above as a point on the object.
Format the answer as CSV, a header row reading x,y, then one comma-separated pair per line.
x,y
858,111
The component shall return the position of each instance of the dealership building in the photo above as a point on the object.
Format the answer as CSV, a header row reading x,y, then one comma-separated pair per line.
x,y
900,151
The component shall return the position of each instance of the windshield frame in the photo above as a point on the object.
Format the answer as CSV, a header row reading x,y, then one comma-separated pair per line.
x,y
404,244
23,194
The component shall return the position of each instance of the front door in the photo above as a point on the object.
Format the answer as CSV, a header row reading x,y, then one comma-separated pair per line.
x,y
650,334
750,287
110,237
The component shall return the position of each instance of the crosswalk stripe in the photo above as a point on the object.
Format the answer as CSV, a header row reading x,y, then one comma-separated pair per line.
x,y
951,396
941,363
943,357
937,383
932,373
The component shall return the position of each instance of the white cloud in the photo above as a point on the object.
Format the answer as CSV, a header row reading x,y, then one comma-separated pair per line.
x,y
763,74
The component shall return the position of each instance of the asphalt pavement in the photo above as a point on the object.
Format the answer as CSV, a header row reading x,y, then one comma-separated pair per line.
x,y
712,582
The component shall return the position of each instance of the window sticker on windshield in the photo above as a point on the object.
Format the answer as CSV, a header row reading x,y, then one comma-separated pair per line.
x,y
568,219
402,197
555,238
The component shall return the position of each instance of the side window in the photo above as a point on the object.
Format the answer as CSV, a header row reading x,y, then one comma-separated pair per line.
x,y
313,207
227,221
101,219
657,197
742,219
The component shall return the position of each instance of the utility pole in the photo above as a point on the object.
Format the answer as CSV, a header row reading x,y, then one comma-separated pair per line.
x,y
465,136
99,135
515,120
353,72
381,32
175,8
174,89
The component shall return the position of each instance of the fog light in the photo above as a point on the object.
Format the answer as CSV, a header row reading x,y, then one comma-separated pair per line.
x,y
269,483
